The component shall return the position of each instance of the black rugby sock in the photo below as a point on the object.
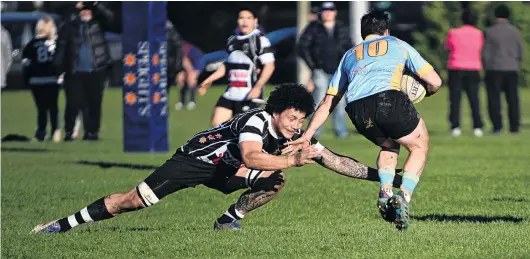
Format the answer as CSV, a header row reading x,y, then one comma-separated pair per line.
x,y
230,215
94,212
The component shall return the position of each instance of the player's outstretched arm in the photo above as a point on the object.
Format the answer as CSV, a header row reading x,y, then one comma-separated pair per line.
x,y
220,72
265,75
320,116
253,157
350,167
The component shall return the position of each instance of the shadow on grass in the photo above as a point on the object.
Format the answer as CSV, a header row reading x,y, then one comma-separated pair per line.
x,y
113,164
509,199
23,149
468,218
130,229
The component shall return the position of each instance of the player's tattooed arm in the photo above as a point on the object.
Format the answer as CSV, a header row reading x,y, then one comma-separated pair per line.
x,y
350,167
343,165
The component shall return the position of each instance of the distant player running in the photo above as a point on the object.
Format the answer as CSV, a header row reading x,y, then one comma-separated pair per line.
x,y
369,74
219,157
249,52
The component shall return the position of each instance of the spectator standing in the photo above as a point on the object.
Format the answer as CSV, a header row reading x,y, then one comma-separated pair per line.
x,y
7,56
502,56
83,56
321,46
174,53
313,16
40,76
465,45
188,76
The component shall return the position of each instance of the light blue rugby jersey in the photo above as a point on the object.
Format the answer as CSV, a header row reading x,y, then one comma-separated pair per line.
x,y
374,66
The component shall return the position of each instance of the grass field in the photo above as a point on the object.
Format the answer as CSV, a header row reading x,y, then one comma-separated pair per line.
x,y
472,201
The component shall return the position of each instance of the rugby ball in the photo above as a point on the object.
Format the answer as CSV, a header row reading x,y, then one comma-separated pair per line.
x,y
413,86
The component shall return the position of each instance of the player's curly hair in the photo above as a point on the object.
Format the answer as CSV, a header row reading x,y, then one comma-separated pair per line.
x,y
374,22
290,95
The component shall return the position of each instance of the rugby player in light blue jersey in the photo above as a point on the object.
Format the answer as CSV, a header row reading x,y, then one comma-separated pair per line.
x,y
369,76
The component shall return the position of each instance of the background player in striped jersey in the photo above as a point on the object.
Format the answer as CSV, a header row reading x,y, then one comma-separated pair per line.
x,y
219,158
249,52
370,74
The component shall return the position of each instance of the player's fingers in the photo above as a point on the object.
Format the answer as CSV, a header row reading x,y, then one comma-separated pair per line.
x,y
295,142
286,150
294,152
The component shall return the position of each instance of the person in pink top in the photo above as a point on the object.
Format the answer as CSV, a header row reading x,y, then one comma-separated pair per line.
x,y
465,46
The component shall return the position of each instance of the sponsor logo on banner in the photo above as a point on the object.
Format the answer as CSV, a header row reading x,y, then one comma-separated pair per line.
x,y
129,60
156,60
156,78
129,79
143,78
157,97
130,98
162,82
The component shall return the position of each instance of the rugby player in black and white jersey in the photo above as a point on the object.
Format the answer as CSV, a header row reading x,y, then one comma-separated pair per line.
x,y
249,54
220,158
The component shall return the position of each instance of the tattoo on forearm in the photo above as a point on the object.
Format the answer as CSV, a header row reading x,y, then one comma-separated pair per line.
x,y
350,167
343,165
253,199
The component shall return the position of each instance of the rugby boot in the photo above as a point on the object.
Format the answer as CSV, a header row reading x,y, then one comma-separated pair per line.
x,y
400,206
383,206
48,228
234,225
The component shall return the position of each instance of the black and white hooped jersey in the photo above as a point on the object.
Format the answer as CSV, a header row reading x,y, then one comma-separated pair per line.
x,y
38,55
221,143
245,54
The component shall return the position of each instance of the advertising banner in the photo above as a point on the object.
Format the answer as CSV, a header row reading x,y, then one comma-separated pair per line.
x,y
144,47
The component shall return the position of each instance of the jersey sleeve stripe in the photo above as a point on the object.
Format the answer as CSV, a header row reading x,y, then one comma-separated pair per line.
x,y
267,50
251,129
264,42
424,70
333,91
255,121
266,58
248,136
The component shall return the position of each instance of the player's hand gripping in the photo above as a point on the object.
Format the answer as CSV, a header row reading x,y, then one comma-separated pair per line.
x,y
294,146
306,156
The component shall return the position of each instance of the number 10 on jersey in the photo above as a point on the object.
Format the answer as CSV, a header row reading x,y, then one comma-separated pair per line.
x,y
375,49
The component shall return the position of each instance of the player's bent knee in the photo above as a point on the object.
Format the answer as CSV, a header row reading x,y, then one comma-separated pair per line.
x,y
146,196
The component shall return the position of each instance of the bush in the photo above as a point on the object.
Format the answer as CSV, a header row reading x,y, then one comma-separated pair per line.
x,y
440,17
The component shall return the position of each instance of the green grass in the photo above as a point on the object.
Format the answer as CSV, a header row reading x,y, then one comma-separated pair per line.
x,y
472,201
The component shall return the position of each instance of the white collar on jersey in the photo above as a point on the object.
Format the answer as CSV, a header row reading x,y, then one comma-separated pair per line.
x,y
271,128
242,37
